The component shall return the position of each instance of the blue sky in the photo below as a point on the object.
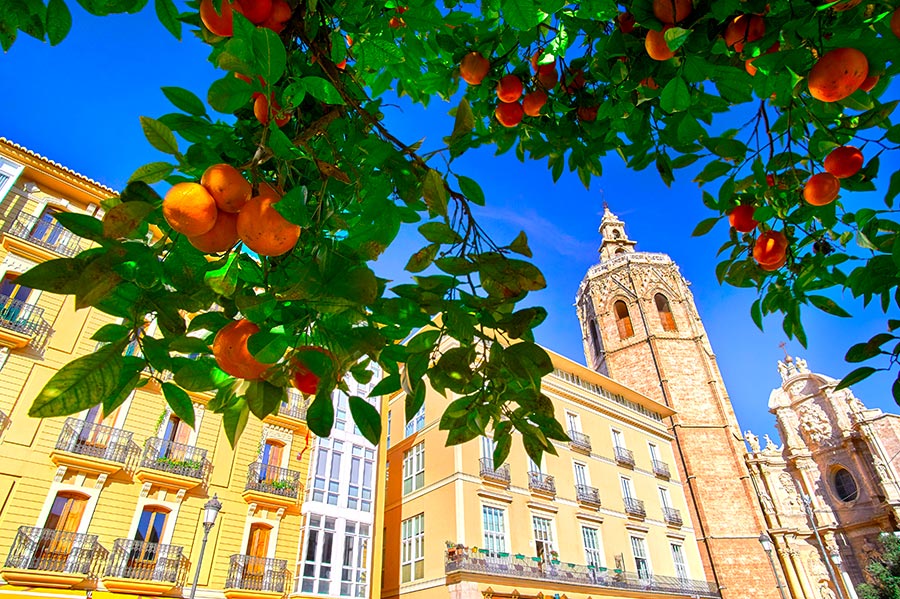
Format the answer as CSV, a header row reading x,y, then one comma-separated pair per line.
x,y
78,104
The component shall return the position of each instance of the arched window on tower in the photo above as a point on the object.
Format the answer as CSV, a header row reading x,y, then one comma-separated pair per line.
x,y
623,320
595,338
665,313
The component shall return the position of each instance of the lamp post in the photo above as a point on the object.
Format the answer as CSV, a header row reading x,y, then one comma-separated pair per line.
x,y
848,585
210,512
807,504
766,543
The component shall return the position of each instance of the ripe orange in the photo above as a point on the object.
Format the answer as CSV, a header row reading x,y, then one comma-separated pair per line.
x,y
837,74
743,29
895,22
281,14
770,250
587,114
230,351
396,23
672,11
261,111
220,238
573,81
509,89
869,83
541,68
821,189
741,218
509,113
218,23
844,162
649,82
257,11
189,209
305,380
549,79
227,186
533,102
626,22
473,68
656,45
262,228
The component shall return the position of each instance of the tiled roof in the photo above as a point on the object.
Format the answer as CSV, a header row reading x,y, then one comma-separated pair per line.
x,y
85,179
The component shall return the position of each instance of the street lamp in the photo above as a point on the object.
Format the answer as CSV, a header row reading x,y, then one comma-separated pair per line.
x,y
829,567
210,512
766,543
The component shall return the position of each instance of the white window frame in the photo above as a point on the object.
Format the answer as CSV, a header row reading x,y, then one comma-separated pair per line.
x,y
320,579
550,531
593,552
617,436
412,548
417,423
573,421
627,487
576,466
495,541
654,452
678,559
665,498
641,544
414,468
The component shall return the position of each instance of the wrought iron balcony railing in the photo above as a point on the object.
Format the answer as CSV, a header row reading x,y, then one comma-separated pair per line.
x,y
293,408
272,479
635,507
531,568
25,319
660,469
257,574
155,562
4,422
587,495
624,456
538,481
48,234
98,441
579,441
672,516
497,475
176,458
49,550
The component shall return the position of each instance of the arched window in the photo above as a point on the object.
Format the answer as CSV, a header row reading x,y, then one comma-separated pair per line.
x,y
623,320
595,337
844,485
665,313
620,251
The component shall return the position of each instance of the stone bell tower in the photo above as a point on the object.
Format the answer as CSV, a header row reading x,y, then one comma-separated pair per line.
x,y
641,328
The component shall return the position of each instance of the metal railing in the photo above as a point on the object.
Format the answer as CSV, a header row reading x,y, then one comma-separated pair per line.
x,y
660,469
272,479
586,494
51,550
257,574
48,234
579,441
177,458
488,472
538,481
24,318
635,507
4,422
139,560
672,516
98,441
293,408
529,568
624,456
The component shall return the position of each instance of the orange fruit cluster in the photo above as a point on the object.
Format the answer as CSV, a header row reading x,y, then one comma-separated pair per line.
x,y
232,354
272,14
837,74
823,188
770,250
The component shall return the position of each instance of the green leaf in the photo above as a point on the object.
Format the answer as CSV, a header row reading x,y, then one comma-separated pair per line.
x,y
386,386
159,136
229,94
267,346
200,374
167,14
528,360
756,314
520,245
367,419
129,377
320,415
705,226
470,189
856,376
521,14
80,384
234,419
56,276
501,450
223,280
439,232
322,89
827,305
263,398
269,53
111,333
464,123
423,258
59,21
152,173
675,96
184,99
124,218
180,402
83,225
435,192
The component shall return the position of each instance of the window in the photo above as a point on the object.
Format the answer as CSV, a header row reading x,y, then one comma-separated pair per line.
x,y
258,540
493,524
627,488
414,468
641,563
271,460
14,307
593,554
176,431
412,548
340,412
664,499
573,422
151,525
618,439
487,449
317,555
543,537
389,429
417,422
359,492
534,467
581,474
665,313
66,512
326,481
678,559
654,452
354,580
844,485
623,320
595,337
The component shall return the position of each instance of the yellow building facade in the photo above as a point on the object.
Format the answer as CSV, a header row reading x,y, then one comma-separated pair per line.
x,y
114,506
607,517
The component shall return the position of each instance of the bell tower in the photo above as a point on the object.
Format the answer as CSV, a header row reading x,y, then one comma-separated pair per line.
x,y
640,327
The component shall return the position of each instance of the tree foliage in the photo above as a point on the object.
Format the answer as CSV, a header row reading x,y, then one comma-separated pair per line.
x,y
884,572
351,184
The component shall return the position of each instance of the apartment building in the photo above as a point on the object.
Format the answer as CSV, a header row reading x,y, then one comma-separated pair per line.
x,y
607,517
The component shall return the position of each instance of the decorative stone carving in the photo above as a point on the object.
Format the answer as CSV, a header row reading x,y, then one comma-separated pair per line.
x,y
825,591
814,425
767,503
771,448
791,496
60,474
753,440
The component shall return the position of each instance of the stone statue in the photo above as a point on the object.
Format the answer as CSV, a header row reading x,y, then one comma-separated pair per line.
x,y
825,591
882,470
770,445
801,365
767,503
753,440
814,425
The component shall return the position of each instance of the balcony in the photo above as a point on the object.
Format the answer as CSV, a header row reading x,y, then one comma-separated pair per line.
x,y
511,570
22,324
672,516
660,469
142,568
173,465
588,496
490,474
291,413
256,577
4,422
44,557
47,234
272,485
94,447
625,457
635,507
579,441
541,483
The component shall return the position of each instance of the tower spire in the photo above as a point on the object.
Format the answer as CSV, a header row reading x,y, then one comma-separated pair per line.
x,y
615,240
